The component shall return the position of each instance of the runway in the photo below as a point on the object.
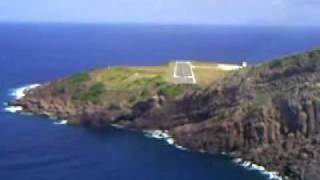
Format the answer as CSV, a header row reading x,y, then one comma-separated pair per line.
x,y
183,73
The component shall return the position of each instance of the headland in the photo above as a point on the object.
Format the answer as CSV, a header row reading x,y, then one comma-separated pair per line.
x,y
268,114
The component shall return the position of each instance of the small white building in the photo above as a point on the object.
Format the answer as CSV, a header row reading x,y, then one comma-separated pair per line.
x,y
244,64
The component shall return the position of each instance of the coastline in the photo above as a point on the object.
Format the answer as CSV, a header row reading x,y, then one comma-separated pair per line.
x,y
19,93
272,175
164,135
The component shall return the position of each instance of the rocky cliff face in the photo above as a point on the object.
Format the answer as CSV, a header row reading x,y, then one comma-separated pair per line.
x,y
268,114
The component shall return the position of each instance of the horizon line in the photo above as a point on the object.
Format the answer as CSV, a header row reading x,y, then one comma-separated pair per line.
x,y
155,23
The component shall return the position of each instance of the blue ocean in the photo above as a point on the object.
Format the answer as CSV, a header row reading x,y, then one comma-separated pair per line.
x,y
36,148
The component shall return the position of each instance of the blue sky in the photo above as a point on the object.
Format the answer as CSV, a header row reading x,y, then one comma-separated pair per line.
x,y
237,12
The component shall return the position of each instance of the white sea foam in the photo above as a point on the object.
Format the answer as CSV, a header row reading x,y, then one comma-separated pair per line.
x,y
53,118
118,126
13,109
170,141
272,175
181,148
157,134
163,135
18,93
62,122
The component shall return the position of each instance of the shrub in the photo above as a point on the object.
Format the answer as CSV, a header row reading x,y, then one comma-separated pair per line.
x,y
92,94
145,93
171,90
158,81
96,89
132,99
80,77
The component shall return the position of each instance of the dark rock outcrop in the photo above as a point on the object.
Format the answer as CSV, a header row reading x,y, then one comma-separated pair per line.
x,y
268,114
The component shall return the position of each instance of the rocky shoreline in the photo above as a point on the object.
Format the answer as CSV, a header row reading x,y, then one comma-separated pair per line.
x,y
267,114
164,135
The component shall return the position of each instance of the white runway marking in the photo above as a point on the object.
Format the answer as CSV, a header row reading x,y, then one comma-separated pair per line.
x,y
183,72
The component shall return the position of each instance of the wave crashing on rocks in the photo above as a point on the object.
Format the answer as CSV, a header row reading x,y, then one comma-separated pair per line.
x,y
18,93
251,166
163,135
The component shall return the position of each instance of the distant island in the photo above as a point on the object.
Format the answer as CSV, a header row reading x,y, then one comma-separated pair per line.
x,y
268,114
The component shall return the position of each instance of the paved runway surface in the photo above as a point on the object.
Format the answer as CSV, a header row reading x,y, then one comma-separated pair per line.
x,y
183,73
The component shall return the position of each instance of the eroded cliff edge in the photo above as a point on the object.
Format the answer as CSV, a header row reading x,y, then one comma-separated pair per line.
x,y
268,114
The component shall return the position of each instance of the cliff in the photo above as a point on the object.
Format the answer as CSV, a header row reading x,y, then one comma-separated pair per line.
x,y
268,114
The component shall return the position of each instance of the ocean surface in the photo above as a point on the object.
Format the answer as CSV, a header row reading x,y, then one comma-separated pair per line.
x,y
36,148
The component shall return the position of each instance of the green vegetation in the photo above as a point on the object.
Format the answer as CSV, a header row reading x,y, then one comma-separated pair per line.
x,y
131,78
126,85
171,90
207,76
92,94
79,78
145,93
117,86
207,73
310,58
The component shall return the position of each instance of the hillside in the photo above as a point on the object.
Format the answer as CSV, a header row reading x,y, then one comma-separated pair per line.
x,y
268,114
101,96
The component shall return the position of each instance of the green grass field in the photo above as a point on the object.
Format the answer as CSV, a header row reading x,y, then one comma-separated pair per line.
x,y
125,85
207,73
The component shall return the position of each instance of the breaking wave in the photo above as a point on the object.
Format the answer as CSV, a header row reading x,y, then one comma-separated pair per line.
x,y
18,93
